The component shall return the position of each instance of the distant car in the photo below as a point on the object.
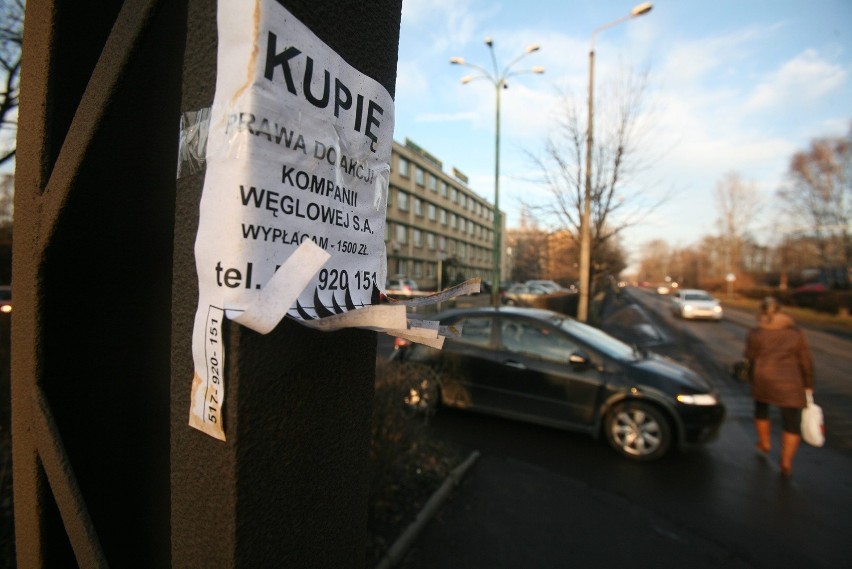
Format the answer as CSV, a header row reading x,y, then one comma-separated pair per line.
x,y
692,304
485,286
523,295
550,286
6,299
401,285
811,287
543,367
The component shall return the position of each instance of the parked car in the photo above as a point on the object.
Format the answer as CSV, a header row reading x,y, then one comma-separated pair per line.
x,y
523,295
485,287
549,286
544,367
401,285
691,304
5,299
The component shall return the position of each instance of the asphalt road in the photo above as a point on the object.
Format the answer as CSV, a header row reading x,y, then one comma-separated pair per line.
x,y
540,497
721,344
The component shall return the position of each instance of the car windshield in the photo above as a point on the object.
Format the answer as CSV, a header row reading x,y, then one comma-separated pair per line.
x,y
698,296
599,340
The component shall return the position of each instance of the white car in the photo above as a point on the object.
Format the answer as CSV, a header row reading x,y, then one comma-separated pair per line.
x,y
693,303
549,286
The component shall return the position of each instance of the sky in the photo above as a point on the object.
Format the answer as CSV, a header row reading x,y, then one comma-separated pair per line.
x,y
733,86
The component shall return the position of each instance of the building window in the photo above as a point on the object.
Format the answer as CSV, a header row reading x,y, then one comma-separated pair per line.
x,y
390,195
418,207
462,224
454,195
433,183
403,201
401,234
463,203
418,269
403,167
430,270
417,237
430,241
419,175
443,216
443,189
432,212
453,223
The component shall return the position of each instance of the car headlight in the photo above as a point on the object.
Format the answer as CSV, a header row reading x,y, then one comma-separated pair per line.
x,y
698,399
687,308
717,308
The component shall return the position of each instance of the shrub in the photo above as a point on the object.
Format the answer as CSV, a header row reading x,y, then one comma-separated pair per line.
x,y
408,464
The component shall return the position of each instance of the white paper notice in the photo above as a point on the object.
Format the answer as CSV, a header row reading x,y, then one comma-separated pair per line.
x,y
298,152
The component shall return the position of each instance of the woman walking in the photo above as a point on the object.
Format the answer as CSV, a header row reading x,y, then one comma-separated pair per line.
x,y
782,371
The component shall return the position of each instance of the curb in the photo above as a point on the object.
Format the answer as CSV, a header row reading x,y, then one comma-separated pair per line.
x,y
398,550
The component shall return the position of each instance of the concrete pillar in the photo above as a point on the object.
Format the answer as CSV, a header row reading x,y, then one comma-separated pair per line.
x,y
289,487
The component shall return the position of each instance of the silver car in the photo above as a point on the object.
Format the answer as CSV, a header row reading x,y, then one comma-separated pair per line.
x,y
692,304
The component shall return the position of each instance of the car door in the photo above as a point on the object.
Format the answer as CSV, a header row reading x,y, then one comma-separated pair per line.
x,y
537,380
467,363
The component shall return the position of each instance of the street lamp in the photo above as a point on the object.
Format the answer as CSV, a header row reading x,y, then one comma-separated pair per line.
x,y
499,80
585,221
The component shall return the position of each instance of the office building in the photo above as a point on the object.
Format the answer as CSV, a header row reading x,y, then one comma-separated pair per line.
x,y
438,232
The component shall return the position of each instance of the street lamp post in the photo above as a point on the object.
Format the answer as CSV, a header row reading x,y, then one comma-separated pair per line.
x,y
499,80
585,220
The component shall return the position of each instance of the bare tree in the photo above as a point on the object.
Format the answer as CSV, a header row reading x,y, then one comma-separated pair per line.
x,y
654,265
616,202
7,183
738,202
11,40
529,249
7,198
819,196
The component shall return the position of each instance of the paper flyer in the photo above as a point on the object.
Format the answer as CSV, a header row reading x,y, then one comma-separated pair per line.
x,y
297,159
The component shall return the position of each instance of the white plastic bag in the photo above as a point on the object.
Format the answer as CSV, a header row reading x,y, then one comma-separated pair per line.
x,y
813,428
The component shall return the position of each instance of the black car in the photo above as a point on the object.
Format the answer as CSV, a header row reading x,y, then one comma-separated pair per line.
x,y
544,367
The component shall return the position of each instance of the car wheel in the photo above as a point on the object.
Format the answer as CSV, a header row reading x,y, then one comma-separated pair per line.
x,y
638,430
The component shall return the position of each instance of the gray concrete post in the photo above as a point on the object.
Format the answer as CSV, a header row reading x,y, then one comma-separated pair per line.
x,y
289,487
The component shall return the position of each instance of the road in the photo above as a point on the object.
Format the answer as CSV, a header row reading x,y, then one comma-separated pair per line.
x,y
721,344
714,506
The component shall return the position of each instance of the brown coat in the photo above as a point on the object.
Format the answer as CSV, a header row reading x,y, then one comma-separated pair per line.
x,y
781,362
